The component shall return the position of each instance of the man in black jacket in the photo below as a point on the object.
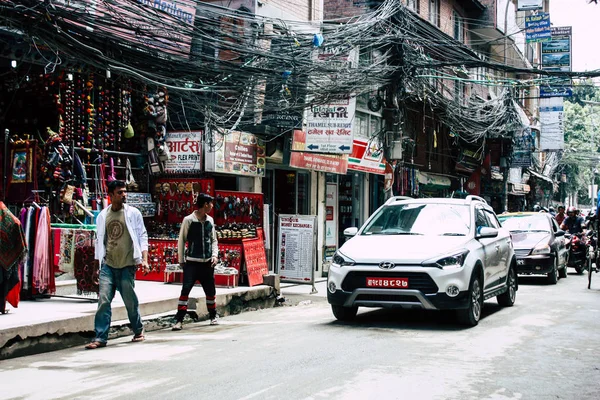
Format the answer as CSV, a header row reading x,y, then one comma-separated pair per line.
x,y
200,258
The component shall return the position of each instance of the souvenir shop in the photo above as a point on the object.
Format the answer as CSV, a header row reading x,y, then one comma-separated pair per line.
x,y
67,134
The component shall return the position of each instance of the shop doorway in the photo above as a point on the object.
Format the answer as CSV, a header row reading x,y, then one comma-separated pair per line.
x,y
285,192
351,203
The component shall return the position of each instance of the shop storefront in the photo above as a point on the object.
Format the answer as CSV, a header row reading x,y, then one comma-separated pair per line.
x,y
91,129
433,185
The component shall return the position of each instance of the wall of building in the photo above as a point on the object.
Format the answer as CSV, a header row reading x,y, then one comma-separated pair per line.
x,y
334,9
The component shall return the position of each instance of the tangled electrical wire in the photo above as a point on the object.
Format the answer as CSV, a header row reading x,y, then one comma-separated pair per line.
x,y
233,66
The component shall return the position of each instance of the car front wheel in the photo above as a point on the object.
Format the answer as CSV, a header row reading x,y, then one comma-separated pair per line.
x,y
342,313
553,275
470,316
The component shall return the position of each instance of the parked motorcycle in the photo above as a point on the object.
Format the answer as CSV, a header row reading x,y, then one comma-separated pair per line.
x,y
581,250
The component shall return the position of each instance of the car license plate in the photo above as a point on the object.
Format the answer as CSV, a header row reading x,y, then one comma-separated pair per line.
x,y
520,262
392,283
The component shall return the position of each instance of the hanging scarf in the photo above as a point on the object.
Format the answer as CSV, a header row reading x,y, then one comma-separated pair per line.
x,y
79,172
43,270
85,268
12,239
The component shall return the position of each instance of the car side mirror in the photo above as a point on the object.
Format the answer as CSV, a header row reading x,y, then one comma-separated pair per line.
x,y
350,231
559,233
486,232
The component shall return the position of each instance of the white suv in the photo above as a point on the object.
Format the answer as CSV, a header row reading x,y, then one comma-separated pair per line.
x,y
434,254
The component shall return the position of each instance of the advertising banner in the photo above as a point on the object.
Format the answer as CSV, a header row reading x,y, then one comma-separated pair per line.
x,y
523,146
163,25
185,151
537,27
255,260
296,255
367,156
237,153
329,127
551,117
530,5
332,163
556,56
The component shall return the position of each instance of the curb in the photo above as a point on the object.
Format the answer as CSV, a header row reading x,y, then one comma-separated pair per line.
x,y
61,334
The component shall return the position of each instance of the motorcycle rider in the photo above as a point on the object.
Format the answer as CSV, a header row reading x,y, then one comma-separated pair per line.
x,y
573,223
560,216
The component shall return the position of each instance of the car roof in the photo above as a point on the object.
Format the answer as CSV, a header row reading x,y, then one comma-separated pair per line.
x,y
523,214
438,200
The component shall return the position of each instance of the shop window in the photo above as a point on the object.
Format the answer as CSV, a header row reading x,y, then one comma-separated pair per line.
x,y
459,30
434,12
413,5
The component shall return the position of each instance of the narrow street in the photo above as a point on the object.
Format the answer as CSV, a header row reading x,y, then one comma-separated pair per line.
x,y
545,347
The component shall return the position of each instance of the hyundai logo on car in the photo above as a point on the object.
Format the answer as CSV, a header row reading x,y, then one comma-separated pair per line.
x,y
387,265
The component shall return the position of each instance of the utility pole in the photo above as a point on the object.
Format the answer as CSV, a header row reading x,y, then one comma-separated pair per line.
x,y
505,174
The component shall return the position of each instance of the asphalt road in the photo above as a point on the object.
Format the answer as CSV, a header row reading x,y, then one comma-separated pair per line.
x,y
545,347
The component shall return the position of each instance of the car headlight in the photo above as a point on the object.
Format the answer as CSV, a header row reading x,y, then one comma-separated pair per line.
x,y
456,260
341,260
541,249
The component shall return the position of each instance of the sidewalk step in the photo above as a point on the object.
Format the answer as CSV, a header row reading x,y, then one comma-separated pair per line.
x,y
40,337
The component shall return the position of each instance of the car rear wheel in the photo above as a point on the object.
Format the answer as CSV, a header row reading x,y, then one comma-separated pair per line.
x,y
342,313
553,275
507,299
470,316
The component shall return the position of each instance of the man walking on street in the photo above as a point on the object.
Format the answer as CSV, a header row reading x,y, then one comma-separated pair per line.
x,y
198,262
121,247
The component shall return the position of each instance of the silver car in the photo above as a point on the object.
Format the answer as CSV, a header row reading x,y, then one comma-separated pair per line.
x,y
433,254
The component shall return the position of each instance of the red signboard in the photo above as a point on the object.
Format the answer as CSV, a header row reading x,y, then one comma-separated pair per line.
x,y
256,261
336,164
367,156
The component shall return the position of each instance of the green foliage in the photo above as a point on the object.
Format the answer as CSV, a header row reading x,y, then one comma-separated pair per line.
x,y
582,138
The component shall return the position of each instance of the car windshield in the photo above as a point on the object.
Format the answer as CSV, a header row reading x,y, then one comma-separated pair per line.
x,y
421,219
525,223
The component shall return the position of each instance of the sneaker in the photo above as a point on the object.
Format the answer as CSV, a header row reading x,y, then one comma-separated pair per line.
x,y
177,327
214,321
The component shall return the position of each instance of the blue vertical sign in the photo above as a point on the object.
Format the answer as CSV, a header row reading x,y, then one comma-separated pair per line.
x,y
537,28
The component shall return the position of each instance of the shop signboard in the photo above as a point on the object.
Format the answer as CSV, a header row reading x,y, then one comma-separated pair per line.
x,y
185,151
331,220
238,153
523,146
299,158
329,126
283,119
530,5
537,27
367,156
162,25
557,56
296,255
256,260
551,117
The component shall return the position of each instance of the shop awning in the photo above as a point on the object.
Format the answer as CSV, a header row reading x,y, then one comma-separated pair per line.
x,y
434,181
518,189
540,176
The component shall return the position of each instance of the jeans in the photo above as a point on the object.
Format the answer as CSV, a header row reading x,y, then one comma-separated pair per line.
x,y
123,280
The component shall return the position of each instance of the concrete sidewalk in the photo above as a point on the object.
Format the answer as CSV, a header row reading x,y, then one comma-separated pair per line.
x,y
50,324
